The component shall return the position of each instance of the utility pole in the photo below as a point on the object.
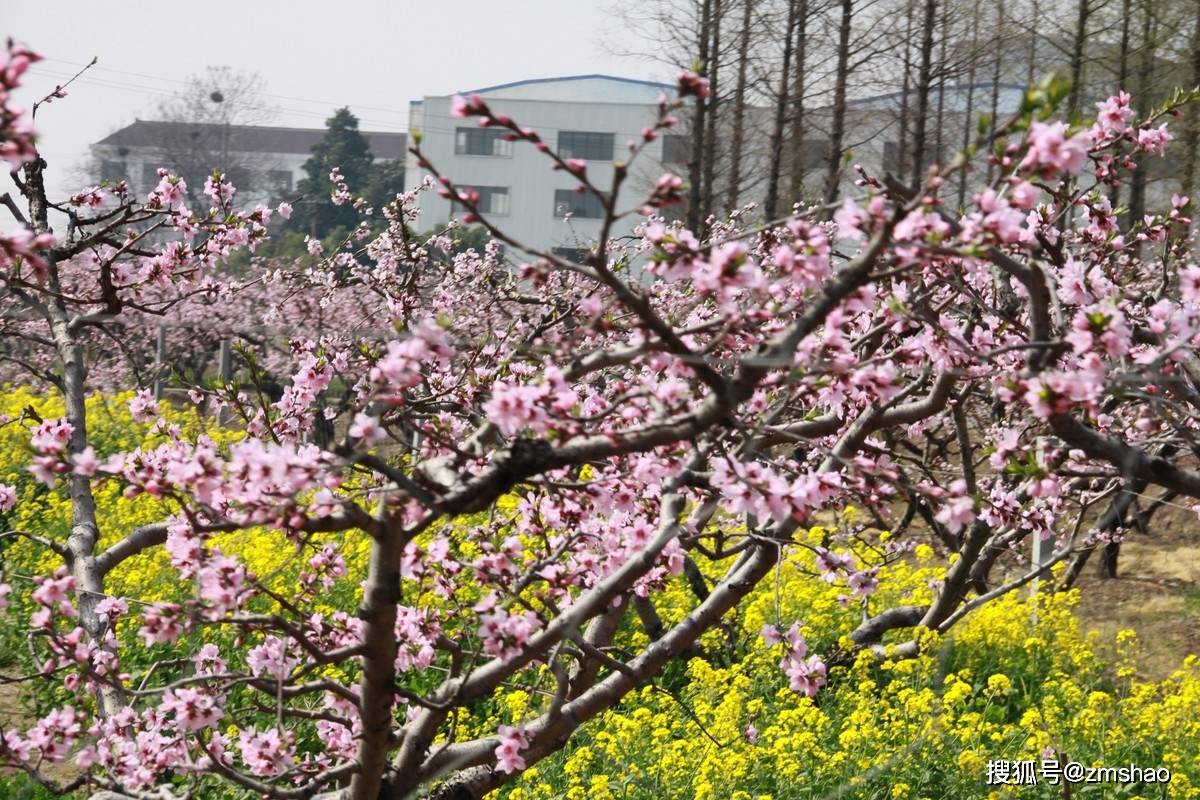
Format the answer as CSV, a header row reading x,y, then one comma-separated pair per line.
x,y
160,361
225,370
218,98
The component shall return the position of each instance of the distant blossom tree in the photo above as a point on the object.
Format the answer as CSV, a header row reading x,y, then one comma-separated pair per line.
x,y
529,456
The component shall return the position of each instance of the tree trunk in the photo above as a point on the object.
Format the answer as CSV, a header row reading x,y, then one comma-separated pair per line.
x,y
381,596
939,144
1112,520
710,135
695,213
996,71
1123,52
1108,560
901,166
775,167
799,85
1137,187
1073,99
1191,138
734,189
966,132
1034,27
837,134
1114,194
924,78
85,530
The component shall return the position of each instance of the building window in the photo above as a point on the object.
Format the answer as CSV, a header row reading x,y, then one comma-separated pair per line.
x,y
577,255
481,142
493,200
279,181
112,171
677,148
588,145
581,206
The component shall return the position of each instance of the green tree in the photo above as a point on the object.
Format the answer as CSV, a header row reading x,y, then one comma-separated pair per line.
x,y
385,182
344,147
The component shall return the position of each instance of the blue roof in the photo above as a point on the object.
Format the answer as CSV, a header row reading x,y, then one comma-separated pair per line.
x,y
565,78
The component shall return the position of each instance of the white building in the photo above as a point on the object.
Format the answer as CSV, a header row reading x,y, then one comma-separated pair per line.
x,y
266,161
876,141
592,117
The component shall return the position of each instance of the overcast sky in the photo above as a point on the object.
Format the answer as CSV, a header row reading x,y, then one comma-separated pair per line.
x,y
314,55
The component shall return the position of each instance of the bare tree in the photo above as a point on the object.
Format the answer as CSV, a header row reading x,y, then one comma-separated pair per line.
x,y
943,74
696,212
1081,28
709,157
1192,135
799,86
740,96
1145,77
997,74
843,74
775,166
1122,74
924,78
970,104
205,131
837,133
906,89
721,40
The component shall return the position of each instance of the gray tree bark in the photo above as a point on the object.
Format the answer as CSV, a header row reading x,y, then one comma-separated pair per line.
x,y
924,79
733,190
837,138
775,166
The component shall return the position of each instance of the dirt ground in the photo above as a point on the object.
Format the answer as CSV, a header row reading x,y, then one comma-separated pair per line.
x,y
1156,592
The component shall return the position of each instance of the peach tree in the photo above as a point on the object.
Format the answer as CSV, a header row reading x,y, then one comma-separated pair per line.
x,y
532,448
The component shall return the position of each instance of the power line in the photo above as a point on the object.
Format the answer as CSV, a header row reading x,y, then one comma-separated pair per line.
x,y
332,103
108,84
127,87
